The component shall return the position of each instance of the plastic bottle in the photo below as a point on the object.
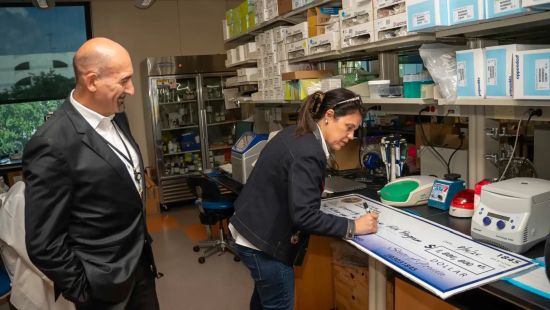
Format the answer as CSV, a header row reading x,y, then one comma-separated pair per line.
x,y
4,188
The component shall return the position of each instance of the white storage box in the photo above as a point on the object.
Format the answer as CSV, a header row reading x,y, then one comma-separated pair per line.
x,y
247,71
531,70
296,33
498,68
391,22
543,4
357,35
324,43
470,73
465,11
500,8
297,49
427,14
379,4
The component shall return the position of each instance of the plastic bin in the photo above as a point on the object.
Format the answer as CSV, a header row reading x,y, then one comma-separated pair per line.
x,y
379,88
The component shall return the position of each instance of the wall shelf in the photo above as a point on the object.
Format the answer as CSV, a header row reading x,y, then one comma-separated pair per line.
x,y
180,128
244,63
499,102
370,49
292,17
397,101
497,27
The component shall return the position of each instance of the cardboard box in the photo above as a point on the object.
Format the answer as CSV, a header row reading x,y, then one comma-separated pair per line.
x,y
297,49
499,8
317,17
531,70
498,68
357,35
439,135
284,6
152,198
470,71
299,75
427,14
466,11
348,156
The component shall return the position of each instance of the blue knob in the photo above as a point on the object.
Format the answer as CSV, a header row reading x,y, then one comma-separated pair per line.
x,y
500,224
486,220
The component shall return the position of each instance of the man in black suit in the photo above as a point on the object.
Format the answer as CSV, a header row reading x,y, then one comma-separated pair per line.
x,y
84,217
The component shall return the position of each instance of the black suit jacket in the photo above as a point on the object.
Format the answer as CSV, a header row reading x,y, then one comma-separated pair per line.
x,y
84,219
283,195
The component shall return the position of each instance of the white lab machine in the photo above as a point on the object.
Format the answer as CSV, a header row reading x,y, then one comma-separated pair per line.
x,y
513,214
244,154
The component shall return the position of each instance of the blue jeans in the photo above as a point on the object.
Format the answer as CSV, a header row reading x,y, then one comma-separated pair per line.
x,y
273,280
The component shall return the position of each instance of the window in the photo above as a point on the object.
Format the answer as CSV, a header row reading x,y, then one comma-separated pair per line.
x,y
36,72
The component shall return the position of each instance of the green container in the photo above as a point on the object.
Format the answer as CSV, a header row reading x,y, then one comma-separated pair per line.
x,y
413,89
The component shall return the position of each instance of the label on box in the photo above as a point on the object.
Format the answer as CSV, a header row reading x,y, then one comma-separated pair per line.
x,y
420,19
492,71
541,71
464,13
461,73
502,6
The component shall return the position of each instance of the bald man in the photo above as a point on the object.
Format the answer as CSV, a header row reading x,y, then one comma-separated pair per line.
x,y
84,216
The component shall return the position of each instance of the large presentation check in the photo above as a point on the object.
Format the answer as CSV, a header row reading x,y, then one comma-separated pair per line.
x,y
443,261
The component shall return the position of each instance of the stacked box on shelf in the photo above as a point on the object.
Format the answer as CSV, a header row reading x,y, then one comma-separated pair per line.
x,y
498,68
247,74
296,40
470,73
427,14
531,72
390,19
466,11
539,4
327,42
356,23
241,53
326,28
500,8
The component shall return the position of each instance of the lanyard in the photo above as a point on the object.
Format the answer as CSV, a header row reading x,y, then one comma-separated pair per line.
x,y
128,159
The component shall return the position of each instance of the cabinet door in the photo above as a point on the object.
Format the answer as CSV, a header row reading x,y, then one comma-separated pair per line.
x,y
221,118
178,126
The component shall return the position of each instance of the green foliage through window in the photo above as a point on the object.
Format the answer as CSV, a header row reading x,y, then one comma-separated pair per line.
x,y
18,122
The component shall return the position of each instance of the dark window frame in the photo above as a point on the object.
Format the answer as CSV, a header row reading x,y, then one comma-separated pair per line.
x,y
88,26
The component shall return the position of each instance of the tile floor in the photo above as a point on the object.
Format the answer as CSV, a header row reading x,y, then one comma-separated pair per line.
x,y
219,283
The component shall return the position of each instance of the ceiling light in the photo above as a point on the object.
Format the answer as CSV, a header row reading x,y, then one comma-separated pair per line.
x,y
143,4
43,4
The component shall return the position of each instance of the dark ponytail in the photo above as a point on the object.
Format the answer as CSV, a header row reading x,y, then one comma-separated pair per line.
x,y
316,105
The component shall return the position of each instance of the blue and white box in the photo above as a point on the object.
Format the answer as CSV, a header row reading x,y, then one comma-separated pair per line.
x,y
500,8
427,14
470,74
498,68
466,11
539,4
531,71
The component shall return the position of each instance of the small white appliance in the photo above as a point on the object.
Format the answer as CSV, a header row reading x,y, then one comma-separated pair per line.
x,y
513,214
407,191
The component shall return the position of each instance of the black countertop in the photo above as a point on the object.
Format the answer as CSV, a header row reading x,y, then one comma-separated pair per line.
x,y
501,289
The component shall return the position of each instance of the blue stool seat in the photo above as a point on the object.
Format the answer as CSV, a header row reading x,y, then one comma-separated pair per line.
x,y
5,282
220,204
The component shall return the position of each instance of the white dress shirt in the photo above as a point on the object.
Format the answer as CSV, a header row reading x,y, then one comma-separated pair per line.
x,y
104,126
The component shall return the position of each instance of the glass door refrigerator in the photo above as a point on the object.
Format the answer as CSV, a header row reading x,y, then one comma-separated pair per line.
x,y
188,124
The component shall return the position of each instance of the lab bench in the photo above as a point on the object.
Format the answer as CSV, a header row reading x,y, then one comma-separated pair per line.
x,y
314,280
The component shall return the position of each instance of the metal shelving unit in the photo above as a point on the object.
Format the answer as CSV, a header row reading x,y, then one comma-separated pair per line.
x,y
292,17
244,63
